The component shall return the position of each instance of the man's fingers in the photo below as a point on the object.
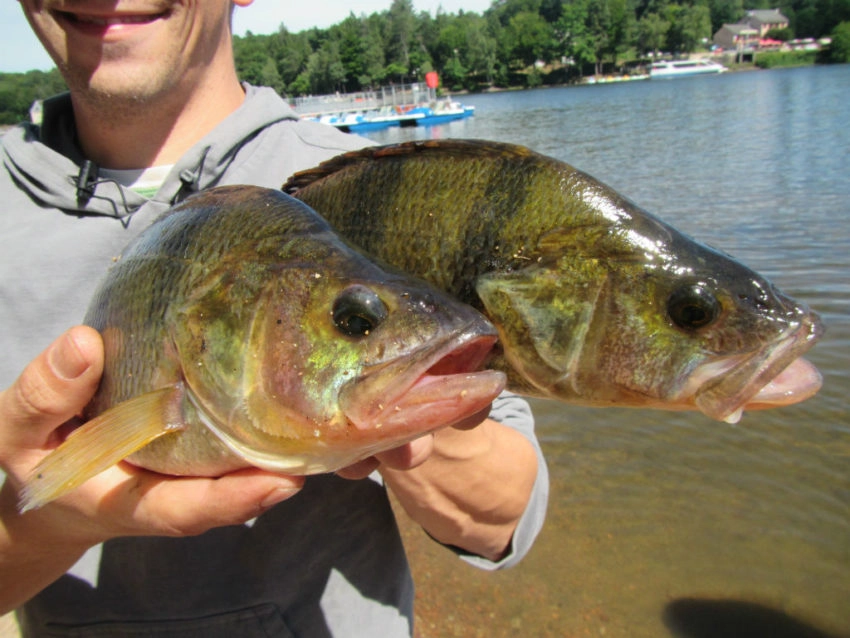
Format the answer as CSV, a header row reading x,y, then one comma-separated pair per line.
x,y
403,457
129,501
54,387
191,505
359,470
408,456
472,421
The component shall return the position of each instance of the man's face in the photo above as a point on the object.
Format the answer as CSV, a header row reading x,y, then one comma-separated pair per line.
x,y
131,49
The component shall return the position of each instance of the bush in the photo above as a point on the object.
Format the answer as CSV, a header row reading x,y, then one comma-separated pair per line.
x,y
780,34
774,59
840,47
19,90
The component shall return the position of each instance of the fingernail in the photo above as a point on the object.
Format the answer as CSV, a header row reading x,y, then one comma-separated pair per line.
x,y
278,495
66,360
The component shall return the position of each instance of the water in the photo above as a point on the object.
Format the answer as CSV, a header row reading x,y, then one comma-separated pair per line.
x,y
647,507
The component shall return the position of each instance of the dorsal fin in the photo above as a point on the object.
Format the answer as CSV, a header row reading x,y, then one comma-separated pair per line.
x,y
451,147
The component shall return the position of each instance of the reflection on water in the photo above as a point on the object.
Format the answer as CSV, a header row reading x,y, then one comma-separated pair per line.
x,y
648,506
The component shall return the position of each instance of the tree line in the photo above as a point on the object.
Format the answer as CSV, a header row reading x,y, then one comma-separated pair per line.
x,y
513,43
19,90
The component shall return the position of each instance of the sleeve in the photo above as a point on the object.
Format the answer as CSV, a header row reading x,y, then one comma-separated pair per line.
x,y
515,412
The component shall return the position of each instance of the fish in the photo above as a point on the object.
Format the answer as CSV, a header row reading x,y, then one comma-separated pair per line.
x,y
240,331
597,301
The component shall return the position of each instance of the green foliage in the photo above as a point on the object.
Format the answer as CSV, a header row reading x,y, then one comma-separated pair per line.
x,y
774,59
19,90
782,35
502,46
471,51
652,32
840,48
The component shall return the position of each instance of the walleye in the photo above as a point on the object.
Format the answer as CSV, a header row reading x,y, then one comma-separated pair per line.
x,y
597,302
239,330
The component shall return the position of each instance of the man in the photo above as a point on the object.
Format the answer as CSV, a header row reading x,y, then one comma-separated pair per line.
x,y
155,113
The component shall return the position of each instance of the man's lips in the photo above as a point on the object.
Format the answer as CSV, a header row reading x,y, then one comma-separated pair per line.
x,y
99,22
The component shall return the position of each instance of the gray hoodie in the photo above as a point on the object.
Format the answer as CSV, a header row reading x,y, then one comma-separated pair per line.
x,y
59,231
328,562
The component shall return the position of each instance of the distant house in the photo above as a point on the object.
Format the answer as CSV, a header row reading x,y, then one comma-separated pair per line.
x,y
764,20
736,36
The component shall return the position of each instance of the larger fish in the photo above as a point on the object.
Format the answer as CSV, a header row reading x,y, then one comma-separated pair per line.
x,y
239,330
597,302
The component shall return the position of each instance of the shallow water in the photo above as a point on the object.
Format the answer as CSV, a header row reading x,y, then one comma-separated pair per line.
x,y
649,508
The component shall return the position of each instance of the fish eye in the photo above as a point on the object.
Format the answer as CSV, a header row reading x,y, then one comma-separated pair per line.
x,y
692,307
358,311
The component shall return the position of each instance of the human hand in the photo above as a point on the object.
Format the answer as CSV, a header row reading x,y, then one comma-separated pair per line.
x,y
409,455
124,500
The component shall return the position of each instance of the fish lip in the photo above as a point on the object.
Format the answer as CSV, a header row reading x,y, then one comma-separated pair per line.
x,y
455,361
740,379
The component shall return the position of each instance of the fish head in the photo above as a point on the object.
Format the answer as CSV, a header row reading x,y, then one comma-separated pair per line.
x,y
746,337
624,310
341,360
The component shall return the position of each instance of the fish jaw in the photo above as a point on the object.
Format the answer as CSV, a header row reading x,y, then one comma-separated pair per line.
x,y
437,389
772,377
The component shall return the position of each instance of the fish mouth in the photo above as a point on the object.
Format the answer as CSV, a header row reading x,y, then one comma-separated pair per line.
x,y
771,377
441,385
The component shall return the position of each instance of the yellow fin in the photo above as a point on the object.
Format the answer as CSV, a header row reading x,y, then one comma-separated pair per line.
x,y
101,443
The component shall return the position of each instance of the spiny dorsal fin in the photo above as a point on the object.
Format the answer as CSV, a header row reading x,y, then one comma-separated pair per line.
x,y
101,443
451,147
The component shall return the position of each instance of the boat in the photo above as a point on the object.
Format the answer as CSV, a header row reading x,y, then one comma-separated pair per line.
x,y
439,113
397,105
365,121
680,68
613,79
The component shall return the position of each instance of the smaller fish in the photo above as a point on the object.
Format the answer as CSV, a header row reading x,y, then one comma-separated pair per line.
x,y
240,331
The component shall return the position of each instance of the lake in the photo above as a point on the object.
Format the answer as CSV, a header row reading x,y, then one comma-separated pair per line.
x,y
663,519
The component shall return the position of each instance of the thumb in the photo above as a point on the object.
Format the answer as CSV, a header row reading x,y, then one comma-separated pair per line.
x,y
53,388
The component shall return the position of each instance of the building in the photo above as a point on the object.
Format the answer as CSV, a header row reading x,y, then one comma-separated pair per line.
x,y
764,20
736,37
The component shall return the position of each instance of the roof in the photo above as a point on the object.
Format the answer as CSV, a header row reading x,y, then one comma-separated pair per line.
x,y
767,16
740,29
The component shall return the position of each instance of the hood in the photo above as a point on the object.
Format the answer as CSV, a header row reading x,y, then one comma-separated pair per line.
x,y
47,163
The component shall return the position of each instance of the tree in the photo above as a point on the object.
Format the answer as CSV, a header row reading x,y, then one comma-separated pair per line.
x,y
573,35
18,91
622,27
689,27
291,52
480,49
840,48
401,24
652,33
530,38
725,12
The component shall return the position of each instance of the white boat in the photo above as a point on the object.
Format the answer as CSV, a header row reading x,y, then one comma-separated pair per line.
x,y
678,68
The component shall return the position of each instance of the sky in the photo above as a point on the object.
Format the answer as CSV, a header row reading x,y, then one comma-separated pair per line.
x,y
21,51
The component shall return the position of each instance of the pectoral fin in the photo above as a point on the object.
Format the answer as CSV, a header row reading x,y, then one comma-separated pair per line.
x,y
543,315
102,442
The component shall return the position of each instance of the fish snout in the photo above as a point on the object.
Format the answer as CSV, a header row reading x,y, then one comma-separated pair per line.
x,y
776,375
